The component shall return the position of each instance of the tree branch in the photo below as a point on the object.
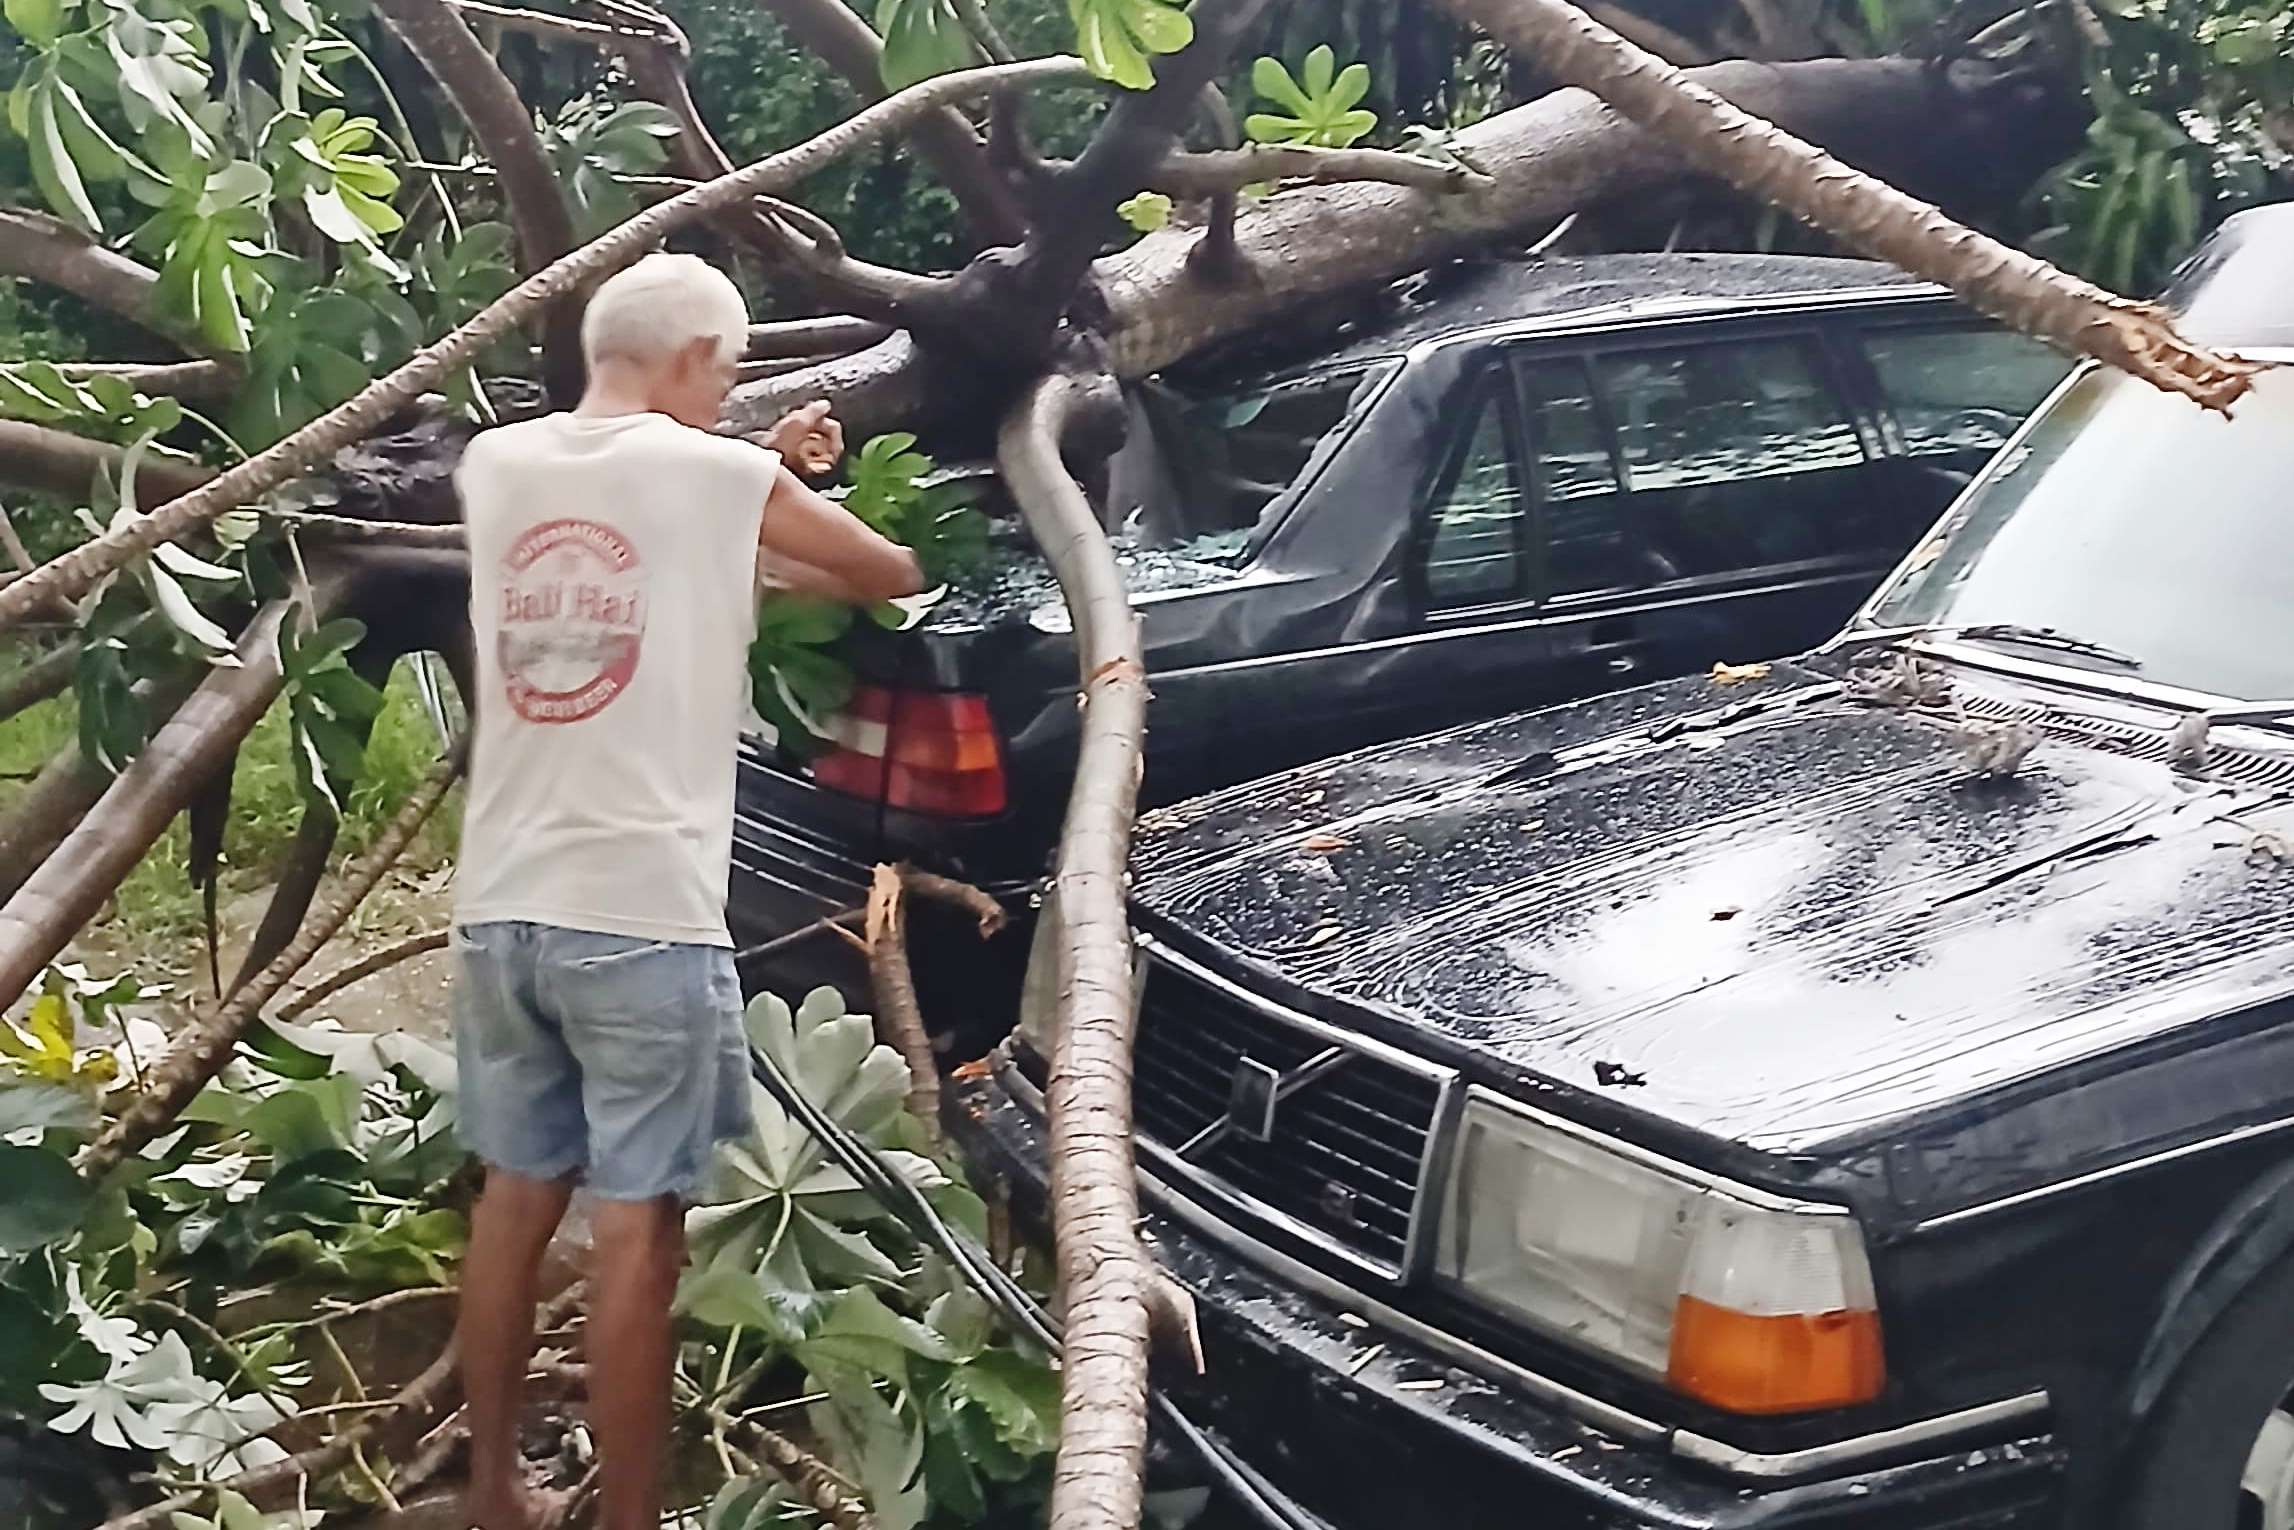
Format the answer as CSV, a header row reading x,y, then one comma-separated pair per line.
x,y
70,574
303,1000
813,337
49,250
899,1018
1652,35
793,242
1868,215
833,33
504,128
300,873
72,884
60,463
44,679
1207,173
203,1047
1135,137
201,380
1105,1274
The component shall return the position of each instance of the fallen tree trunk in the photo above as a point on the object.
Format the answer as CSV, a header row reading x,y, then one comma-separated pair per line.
x,y
1915,124
1105,1275
1937,130
1867,215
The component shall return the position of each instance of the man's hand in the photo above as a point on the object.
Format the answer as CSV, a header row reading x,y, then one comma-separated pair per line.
x,y
810,440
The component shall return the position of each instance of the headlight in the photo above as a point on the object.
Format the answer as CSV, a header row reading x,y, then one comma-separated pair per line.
x,y
1742,1300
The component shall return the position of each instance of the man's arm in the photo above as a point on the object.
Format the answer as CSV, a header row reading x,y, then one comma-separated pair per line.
x,y
776,572
802,527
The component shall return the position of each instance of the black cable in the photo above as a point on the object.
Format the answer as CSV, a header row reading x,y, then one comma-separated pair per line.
x,y
1250,1491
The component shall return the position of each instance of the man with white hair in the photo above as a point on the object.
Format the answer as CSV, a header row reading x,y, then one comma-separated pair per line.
x,y
615,556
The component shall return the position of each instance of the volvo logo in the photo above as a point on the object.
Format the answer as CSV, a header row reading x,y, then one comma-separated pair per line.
x,y
1255,1092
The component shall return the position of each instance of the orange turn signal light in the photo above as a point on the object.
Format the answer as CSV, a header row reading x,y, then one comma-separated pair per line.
x,y
1786,1363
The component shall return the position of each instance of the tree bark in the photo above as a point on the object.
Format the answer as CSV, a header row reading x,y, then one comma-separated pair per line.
x,y
74,881
60,463
49,250
203,381
44,679
1209,172
504,127
70,574
1867,214
50,808
1105,1275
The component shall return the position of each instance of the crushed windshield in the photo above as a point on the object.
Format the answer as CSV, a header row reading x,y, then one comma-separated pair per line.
x,y
2141,524
1212,471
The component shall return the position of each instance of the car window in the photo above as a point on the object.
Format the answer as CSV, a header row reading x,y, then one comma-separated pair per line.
x,y
1716,413
1733,453
1473,540
1961,389
1586,543
1216,467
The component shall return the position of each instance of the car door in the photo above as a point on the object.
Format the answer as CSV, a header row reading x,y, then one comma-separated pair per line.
x,y
1740,497
1472,644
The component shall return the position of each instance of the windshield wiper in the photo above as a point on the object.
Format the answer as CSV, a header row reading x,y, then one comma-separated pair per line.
x,y
2044,637
1856,639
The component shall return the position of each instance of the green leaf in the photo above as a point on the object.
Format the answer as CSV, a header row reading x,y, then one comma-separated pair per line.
x,y
169,597
53,167
1319,107
1020,1396
40,22
1118,38
44,1199
922,38
44,1106
1146,212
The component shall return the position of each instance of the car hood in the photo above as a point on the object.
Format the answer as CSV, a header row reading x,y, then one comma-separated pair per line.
x,y
1761,912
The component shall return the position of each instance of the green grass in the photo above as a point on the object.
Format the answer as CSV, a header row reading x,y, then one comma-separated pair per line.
x,y
157,901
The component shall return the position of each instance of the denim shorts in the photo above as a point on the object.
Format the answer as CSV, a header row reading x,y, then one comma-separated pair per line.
x,y
617,1061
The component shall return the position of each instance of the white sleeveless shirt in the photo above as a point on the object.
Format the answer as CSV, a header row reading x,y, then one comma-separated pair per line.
x,y
613,589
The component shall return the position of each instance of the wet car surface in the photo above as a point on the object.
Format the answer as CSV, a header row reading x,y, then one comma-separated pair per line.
x,y
1858,1093
1526,485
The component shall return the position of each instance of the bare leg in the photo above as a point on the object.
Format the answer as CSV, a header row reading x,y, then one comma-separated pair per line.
x,y
508,1234
640,1247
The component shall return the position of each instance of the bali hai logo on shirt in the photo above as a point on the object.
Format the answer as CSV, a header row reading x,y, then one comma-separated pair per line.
x,y
572,619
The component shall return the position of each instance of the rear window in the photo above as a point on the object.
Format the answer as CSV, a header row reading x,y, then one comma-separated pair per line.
x,y
1961,390
1216,469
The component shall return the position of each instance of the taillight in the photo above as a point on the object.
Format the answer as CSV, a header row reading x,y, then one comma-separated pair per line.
x,y
925,751
1776,1315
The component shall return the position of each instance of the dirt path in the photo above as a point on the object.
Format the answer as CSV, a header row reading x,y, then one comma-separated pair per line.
x,y
411,996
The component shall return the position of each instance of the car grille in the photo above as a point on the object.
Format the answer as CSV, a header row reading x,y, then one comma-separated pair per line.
x,y
1349,1136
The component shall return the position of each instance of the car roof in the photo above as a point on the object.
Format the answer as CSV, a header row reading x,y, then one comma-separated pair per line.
x,y
1560,292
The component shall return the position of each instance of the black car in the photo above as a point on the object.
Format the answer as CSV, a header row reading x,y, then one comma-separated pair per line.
x,y
1860,1094
1524,484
